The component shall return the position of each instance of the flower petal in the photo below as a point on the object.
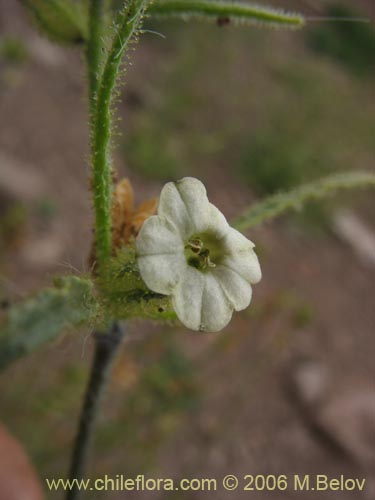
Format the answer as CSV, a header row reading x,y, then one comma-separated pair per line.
x,y
216,309
161,273
200,302
236,242
237,290
158,236
160,254
185,204
216,222
240,256
187,298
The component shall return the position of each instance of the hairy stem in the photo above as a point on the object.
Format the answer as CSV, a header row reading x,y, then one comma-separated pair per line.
x,y
225,11
94,49
106,348
127,23
276,205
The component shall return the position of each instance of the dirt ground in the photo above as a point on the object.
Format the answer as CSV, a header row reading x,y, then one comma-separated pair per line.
x,y
287,388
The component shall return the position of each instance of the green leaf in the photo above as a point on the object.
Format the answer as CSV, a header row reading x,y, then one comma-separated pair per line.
x,y
63,21
224,12
276,205
42,318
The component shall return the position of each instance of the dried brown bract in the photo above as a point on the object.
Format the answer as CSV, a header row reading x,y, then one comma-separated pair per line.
x,y
127,220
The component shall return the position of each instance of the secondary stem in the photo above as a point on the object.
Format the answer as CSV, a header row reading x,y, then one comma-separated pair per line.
x,y
277,204
128,22
106,348
101,181
93,53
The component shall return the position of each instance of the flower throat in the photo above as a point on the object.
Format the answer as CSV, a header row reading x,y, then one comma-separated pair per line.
x,y
203,251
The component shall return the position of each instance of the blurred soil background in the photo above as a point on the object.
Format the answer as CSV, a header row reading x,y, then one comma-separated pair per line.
x,y
288,387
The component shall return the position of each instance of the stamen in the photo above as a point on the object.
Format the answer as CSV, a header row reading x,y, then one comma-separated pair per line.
x,y
195,245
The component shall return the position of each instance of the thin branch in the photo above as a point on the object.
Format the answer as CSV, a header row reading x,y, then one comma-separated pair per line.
x,y
106,348
225,11
295,199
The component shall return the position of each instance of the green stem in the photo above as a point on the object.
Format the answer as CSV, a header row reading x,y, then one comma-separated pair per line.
x,y
225,10
274,206
94,49
128,22
106,348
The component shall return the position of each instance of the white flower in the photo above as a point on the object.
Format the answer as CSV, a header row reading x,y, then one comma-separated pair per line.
x,y
190,252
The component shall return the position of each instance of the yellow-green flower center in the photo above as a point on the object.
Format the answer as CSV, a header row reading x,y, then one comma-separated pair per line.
x,y
203,251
